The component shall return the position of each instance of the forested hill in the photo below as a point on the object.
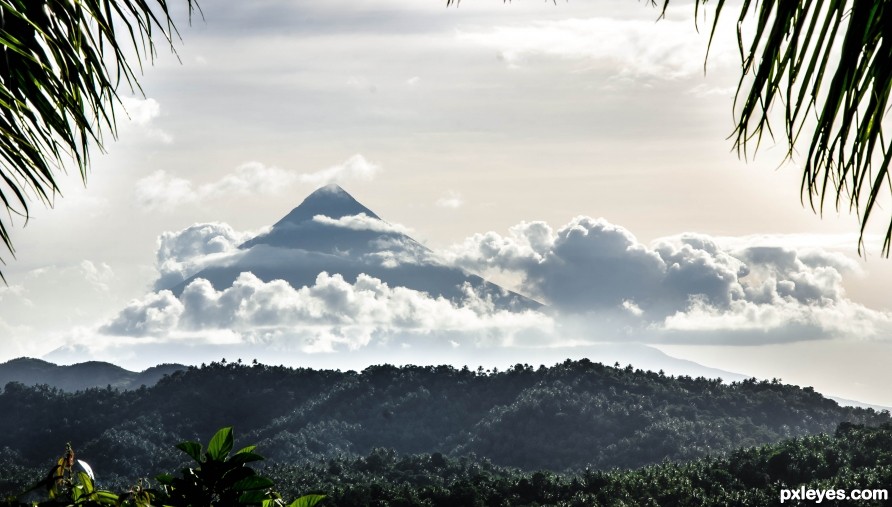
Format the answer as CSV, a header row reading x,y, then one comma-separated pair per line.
x,y
566,417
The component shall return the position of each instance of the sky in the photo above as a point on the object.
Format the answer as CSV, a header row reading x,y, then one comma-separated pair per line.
x,y
574,152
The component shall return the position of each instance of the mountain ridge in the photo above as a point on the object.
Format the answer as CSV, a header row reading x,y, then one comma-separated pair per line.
x,y
80,376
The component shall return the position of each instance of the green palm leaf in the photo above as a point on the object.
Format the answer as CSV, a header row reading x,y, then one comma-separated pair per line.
x,y
62,63
832,59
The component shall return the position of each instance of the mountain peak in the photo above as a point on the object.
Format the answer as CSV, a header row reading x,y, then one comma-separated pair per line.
x,y
330,200
297,248
332,188
297,229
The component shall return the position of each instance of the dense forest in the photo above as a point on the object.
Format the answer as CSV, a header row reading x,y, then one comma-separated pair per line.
x,y
855,457
570,417
856,460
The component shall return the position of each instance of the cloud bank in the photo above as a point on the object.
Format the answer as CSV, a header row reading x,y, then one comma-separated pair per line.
x,y
331,314
599,282
683,288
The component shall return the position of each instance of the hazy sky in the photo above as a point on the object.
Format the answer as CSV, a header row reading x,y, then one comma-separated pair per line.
x,y
499,135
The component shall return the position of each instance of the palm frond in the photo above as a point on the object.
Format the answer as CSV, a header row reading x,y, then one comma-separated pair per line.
x,y
828,64
62,63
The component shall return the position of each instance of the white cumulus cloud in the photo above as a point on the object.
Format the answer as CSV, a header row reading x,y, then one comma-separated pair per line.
x,y
183,253
328,315
139,114
154,314
682,288
362,222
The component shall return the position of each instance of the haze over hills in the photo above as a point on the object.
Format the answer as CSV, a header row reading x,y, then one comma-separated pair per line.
x,y
332,232
77,377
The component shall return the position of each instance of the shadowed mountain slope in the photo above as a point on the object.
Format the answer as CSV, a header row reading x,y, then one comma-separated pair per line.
x,y
331,231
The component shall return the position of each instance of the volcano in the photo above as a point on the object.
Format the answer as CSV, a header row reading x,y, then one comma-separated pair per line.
x,y
332,232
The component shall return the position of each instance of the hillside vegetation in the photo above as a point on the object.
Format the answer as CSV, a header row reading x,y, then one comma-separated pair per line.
x,y
573,416
854,458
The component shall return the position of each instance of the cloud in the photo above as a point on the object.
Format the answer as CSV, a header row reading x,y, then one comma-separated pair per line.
x,y
15,291
97,274
154,314
354,168
450,200
59,296
329,315
600,282
666,50
161,191
587,264
183,253
703,90
681,288
785,320
164,192
362,222
250,178
141,111
804,242
361,84
140,115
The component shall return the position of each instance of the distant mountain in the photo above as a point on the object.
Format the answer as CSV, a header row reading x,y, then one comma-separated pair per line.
x,y
77,377
331,231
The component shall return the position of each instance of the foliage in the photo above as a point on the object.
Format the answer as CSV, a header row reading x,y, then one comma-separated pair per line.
x,y
64,485
855,457
567,417
218,480
61,65
833,59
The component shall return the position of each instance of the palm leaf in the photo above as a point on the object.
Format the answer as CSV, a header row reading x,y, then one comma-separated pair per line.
x,y
828,65
830,62
62,65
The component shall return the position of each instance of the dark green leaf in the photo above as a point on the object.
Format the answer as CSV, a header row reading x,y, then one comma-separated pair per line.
x,y
245,457
307,501
220,444
193,449
253,482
